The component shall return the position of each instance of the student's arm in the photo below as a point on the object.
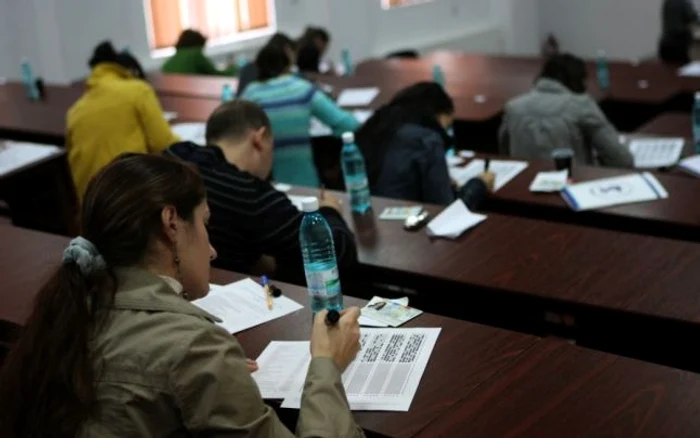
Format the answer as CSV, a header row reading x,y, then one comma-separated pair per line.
x,y
436,185
277,233
206,67
216,395
603,137
158,134
328,112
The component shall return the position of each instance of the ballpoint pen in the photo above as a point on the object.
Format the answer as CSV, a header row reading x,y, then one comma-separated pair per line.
x,y
268,292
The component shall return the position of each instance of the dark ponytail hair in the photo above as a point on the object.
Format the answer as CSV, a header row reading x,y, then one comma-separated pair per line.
x,y
47,384
105,52
272,61
419,104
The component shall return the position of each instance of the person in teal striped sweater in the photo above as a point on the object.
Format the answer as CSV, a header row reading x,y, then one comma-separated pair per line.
x,y
290,102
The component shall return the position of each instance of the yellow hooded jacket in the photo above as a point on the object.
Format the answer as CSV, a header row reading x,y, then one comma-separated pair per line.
x,y
118,113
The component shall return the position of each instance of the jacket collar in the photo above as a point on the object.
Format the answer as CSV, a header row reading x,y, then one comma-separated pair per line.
x,y
546,85
140,289
108,71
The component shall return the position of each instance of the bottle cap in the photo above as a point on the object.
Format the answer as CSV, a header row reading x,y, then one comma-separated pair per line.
x,y
309,205
348,137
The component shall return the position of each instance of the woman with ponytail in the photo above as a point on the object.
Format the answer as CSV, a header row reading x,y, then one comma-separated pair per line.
x,y
114,348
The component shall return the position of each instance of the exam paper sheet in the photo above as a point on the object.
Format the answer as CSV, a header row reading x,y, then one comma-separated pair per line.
x,y
243,304
652,153
14,155
384,376
194,132
357,96
505,171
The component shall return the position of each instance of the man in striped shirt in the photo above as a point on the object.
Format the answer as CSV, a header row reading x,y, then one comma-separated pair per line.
x,y
254,228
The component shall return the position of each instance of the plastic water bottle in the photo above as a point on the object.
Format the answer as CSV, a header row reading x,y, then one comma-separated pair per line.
x,y
29,80
347,62
227,93
438,75
320,265
355,175
603,71
696,123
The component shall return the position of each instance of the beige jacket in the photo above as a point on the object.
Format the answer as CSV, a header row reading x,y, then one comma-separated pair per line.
x,y
550,117
165,370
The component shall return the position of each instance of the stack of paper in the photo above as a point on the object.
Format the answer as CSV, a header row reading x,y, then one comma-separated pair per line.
x,y
691,165
614,191
194,132
692,69
383,312
399,213
453,221
549,181
653,153
357,96
384,376
14,155
504,171
243,304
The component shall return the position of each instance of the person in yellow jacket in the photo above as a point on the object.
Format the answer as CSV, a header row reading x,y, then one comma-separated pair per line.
x,y
118,113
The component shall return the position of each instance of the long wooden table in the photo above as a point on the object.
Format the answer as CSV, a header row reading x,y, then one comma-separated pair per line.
x,y
487,381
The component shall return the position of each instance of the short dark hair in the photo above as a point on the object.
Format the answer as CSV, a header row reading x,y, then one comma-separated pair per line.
x,y
568,70
105,52
235,119
271,62
190,38
282,40
312,33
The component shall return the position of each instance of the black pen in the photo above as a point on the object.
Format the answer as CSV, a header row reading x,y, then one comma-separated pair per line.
x,y
487,161
332,318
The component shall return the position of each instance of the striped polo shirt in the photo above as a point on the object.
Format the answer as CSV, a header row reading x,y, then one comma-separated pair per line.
x,y
249,218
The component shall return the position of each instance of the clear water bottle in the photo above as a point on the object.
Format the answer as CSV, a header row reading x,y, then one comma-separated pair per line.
x,y
355,175
227,93
696,123
347,62
438,75
29,80
320,265
602,70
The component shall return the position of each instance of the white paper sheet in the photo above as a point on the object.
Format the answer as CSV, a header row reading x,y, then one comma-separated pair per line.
x,y
453,221
357,96
243,304
385,374
400,213
504,171
14,155
692,69
614,191
466,153
194,132
319,129
297,200
453,160
170,115
652,153
691,165
282,187
547,182
280,368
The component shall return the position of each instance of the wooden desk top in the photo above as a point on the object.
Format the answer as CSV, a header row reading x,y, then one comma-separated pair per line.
x,y
670,125
563,263
558,390
198,86
675,217
465,356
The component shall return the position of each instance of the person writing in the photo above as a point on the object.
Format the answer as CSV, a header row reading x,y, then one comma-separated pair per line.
x,y
290,102
189,57
404,144
118,113
113,346
557,113
254,227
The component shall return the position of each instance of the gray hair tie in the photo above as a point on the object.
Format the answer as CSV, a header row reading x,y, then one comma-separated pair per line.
x,y
84,254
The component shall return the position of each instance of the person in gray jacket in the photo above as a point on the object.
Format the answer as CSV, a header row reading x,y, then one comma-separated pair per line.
x,y
558,113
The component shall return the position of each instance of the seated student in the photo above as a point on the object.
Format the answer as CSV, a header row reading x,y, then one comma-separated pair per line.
x,y
118,113
312,46
678,18
249,73
559,113
290,102
189,57
253,225
404,145
113,346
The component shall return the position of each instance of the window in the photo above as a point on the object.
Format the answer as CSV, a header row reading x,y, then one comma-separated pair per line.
x,y
388,4
221,21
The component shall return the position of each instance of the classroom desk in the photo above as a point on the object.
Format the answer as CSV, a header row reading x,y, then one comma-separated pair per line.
x,y
676,217
558,390
200,86
465,356
672,124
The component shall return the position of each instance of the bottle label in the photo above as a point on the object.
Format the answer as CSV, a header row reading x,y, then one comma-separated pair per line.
x,y
358,185
325,283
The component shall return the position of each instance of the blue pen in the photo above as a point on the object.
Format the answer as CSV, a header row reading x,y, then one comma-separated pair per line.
x,y
268,293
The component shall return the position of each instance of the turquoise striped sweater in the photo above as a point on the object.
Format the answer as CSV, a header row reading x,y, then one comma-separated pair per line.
x,y
290,102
